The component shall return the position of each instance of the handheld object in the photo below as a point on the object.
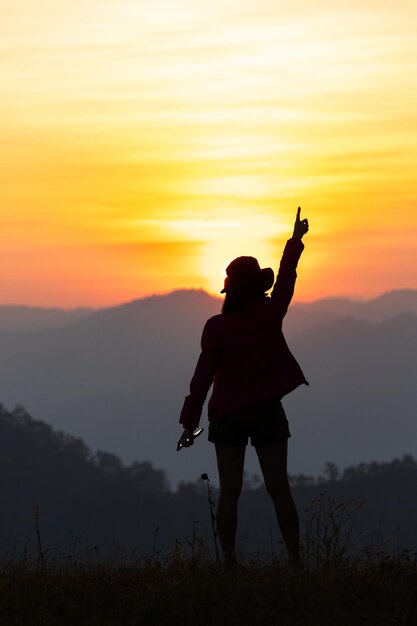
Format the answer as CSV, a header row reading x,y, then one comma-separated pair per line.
x,y
194,434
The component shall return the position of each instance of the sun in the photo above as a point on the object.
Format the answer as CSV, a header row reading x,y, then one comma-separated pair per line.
x,y
217,255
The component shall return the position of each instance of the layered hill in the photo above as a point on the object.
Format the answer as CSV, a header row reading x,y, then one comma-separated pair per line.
x,y
118,376
61,502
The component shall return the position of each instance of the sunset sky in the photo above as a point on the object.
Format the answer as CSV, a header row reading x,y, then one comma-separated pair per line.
x,y
146,143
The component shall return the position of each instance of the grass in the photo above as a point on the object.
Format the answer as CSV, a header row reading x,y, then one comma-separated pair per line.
x,y
191,588
201,593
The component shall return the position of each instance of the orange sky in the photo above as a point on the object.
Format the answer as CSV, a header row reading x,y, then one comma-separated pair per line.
x,y
145,144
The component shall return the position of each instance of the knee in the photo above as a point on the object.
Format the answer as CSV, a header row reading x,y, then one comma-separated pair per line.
x,y
278,489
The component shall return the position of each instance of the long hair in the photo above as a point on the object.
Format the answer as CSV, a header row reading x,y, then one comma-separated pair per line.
x,y
233,303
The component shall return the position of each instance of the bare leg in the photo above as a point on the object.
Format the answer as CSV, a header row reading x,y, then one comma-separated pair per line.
x,y
230,465
273,462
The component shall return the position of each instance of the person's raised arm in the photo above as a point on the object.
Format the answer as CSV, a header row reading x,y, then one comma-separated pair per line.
x,y
283,290
300,226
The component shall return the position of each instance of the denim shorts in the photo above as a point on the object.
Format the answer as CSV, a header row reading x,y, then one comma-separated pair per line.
x,y
264,423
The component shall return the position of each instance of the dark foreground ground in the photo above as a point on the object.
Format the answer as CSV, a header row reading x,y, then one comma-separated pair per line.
x,y
199,594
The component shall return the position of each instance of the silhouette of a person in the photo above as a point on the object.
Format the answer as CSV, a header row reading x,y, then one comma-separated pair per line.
x,y
246,358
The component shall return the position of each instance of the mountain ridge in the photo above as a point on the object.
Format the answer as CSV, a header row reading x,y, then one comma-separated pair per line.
x,y
118,379
25,318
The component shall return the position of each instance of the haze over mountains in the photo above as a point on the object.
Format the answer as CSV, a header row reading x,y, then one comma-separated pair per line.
x,y
21,318
117,378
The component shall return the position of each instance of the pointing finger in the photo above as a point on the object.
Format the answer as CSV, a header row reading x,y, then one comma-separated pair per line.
x,y
298,213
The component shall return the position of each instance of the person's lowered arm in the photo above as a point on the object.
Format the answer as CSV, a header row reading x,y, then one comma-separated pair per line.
x,y
199,387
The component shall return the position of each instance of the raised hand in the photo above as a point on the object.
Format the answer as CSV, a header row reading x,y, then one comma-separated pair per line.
x,y
300,226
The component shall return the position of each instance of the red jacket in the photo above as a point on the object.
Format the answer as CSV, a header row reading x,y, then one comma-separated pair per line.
x,y
245,354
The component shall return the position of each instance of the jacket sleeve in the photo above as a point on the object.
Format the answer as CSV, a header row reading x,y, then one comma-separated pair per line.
x,y
283,290
201,381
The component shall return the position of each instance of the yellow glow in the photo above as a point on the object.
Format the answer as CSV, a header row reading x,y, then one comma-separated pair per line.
x,y
146,144
258,227
216,256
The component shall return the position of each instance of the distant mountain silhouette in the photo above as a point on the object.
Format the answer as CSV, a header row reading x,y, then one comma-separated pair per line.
x,y
118,377
306,315
361,400
25,318
374,310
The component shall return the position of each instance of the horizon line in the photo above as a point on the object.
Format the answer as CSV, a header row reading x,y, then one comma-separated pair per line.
x,y
162,294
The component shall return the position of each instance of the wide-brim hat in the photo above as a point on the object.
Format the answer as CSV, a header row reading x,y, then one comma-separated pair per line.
x,y
244,277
